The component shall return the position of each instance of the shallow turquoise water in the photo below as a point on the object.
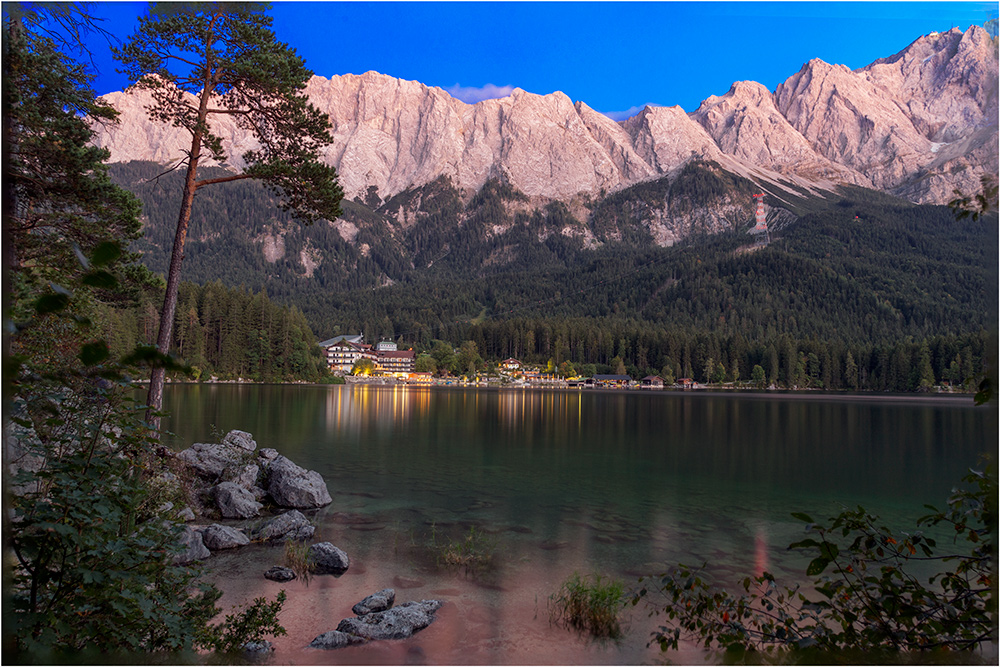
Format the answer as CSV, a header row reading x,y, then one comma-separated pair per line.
x,y
616,483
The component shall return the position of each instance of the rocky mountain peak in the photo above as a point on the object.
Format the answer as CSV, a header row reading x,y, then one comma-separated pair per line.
x,y
917,124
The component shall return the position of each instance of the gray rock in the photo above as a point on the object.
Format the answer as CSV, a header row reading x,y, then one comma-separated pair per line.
x,y
335,639
268,454
257,649
235,502
210,460
293,486
279,573
186,514
375,602
218,537
240,439
244,475
291,525
194,547
396,623
324,558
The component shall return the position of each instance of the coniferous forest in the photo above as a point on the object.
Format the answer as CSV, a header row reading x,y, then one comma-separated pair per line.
x,y
222,331
860,292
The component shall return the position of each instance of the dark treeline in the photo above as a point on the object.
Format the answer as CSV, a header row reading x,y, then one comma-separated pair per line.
x,y
223,331
869,294
862,282
909,365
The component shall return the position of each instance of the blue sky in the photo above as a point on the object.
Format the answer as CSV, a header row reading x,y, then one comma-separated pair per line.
x,y
614,56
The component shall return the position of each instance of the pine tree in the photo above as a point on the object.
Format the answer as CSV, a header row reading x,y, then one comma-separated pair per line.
x,y
201,62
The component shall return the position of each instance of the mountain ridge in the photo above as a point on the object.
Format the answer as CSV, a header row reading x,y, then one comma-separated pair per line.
x,y
917,124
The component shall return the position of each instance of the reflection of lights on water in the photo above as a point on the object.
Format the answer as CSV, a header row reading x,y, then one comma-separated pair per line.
x,y
760,565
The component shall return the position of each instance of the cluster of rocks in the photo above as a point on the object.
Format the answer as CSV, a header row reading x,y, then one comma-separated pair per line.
x,y
375,618
199,541
235,480
240,478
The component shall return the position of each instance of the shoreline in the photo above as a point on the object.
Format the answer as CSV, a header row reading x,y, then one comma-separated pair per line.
x,y
716,392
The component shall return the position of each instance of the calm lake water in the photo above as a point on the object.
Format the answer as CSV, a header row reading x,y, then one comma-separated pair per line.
x,y
561,481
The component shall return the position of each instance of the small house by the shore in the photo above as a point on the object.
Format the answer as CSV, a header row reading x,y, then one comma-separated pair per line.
x,y
651,382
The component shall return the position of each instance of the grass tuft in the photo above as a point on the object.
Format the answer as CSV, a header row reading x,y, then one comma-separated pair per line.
x,y
475,551
591,604
297,559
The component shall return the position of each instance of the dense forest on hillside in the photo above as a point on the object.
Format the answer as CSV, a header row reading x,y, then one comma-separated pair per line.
x,y
222,331
861,291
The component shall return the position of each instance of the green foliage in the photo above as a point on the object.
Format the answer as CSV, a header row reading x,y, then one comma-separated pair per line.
x,y
66,203
250,623
363,367
591,604
90,569
253,78
976,206
870,599
227,332
89,545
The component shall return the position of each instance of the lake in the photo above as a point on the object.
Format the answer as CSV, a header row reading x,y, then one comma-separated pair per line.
x,y
552,482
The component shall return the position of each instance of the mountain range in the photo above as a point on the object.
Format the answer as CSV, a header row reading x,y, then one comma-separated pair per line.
x,y
441,190
917,125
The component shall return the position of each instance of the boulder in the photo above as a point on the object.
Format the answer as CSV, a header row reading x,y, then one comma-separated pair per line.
x,y
293,486
396,623
324,558
335,639
211,460
375,602
235,502
279,573
241,440
291,525
186,514
218,537
268,454
193,546
243,475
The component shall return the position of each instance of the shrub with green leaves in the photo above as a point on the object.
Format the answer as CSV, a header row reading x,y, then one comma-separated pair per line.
x,y
866,597
591,604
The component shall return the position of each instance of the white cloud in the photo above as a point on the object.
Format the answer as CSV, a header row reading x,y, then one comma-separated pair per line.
x,y
628,113
471,95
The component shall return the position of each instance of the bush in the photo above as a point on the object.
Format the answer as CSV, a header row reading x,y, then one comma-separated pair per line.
x,y
869,601
590,604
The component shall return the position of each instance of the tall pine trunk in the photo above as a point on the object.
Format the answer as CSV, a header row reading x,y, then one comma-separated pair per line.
x,y
154,399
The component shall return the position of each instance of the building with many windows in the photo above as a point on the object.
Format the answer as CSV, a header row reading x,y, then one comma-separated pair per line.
x,y
395,362
343,352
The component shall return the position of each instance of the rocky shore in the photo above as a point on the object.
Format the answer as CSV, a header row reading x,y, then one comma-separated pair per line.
x,y
262,492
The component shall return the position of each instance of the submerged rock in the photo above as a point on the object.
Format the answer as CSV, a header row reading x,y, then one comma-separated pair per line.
x,y
218,537
258,648
396,623
293,486
407,582
291,525
375,602
279,573
324,558
335,639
